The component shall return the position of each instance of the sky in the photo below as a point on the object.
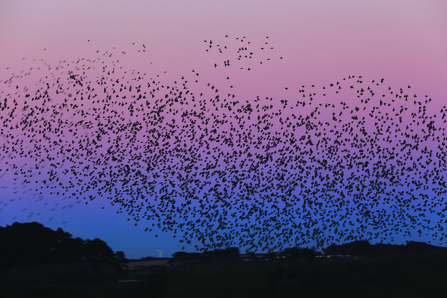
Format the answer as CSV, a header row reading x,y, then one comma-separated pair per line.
x,y
274,48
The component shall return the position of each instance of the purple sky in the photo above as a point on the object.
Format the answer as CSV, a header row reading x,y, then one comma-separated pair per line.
x,y
320,42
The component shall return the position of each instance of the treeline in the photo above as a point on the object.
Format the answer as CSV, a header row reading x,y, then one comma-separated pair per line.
x,y
232,254
360,248
184,258
25,244
365,249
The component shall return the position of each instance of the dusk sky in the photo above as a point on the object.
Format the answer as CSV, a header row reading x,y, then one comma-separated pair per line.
x,y
275,49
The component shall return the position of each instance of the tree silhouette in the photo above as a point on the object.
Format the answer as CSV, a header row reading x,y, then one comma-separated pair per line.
x,y
299,252
361,247
31,243
227,254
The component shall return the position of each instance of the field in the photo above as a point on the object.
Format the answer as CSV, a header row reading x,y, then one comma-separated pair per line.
x,y
398,276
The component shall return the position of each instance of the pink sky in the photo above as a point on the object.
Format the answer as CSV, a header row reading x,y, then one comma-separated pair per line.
x,y
321,42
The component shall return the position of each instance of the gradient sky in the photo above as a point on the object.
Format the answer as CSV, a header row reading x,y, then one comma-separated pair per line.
x,y
320,42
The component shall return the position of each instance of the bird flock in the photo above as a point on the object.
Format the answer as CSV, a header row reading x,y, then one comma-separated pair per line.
x,y
352,160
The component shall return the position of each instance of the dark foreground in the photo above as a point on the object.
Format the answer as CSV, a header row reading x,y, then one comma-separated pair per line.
x,y
392,276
